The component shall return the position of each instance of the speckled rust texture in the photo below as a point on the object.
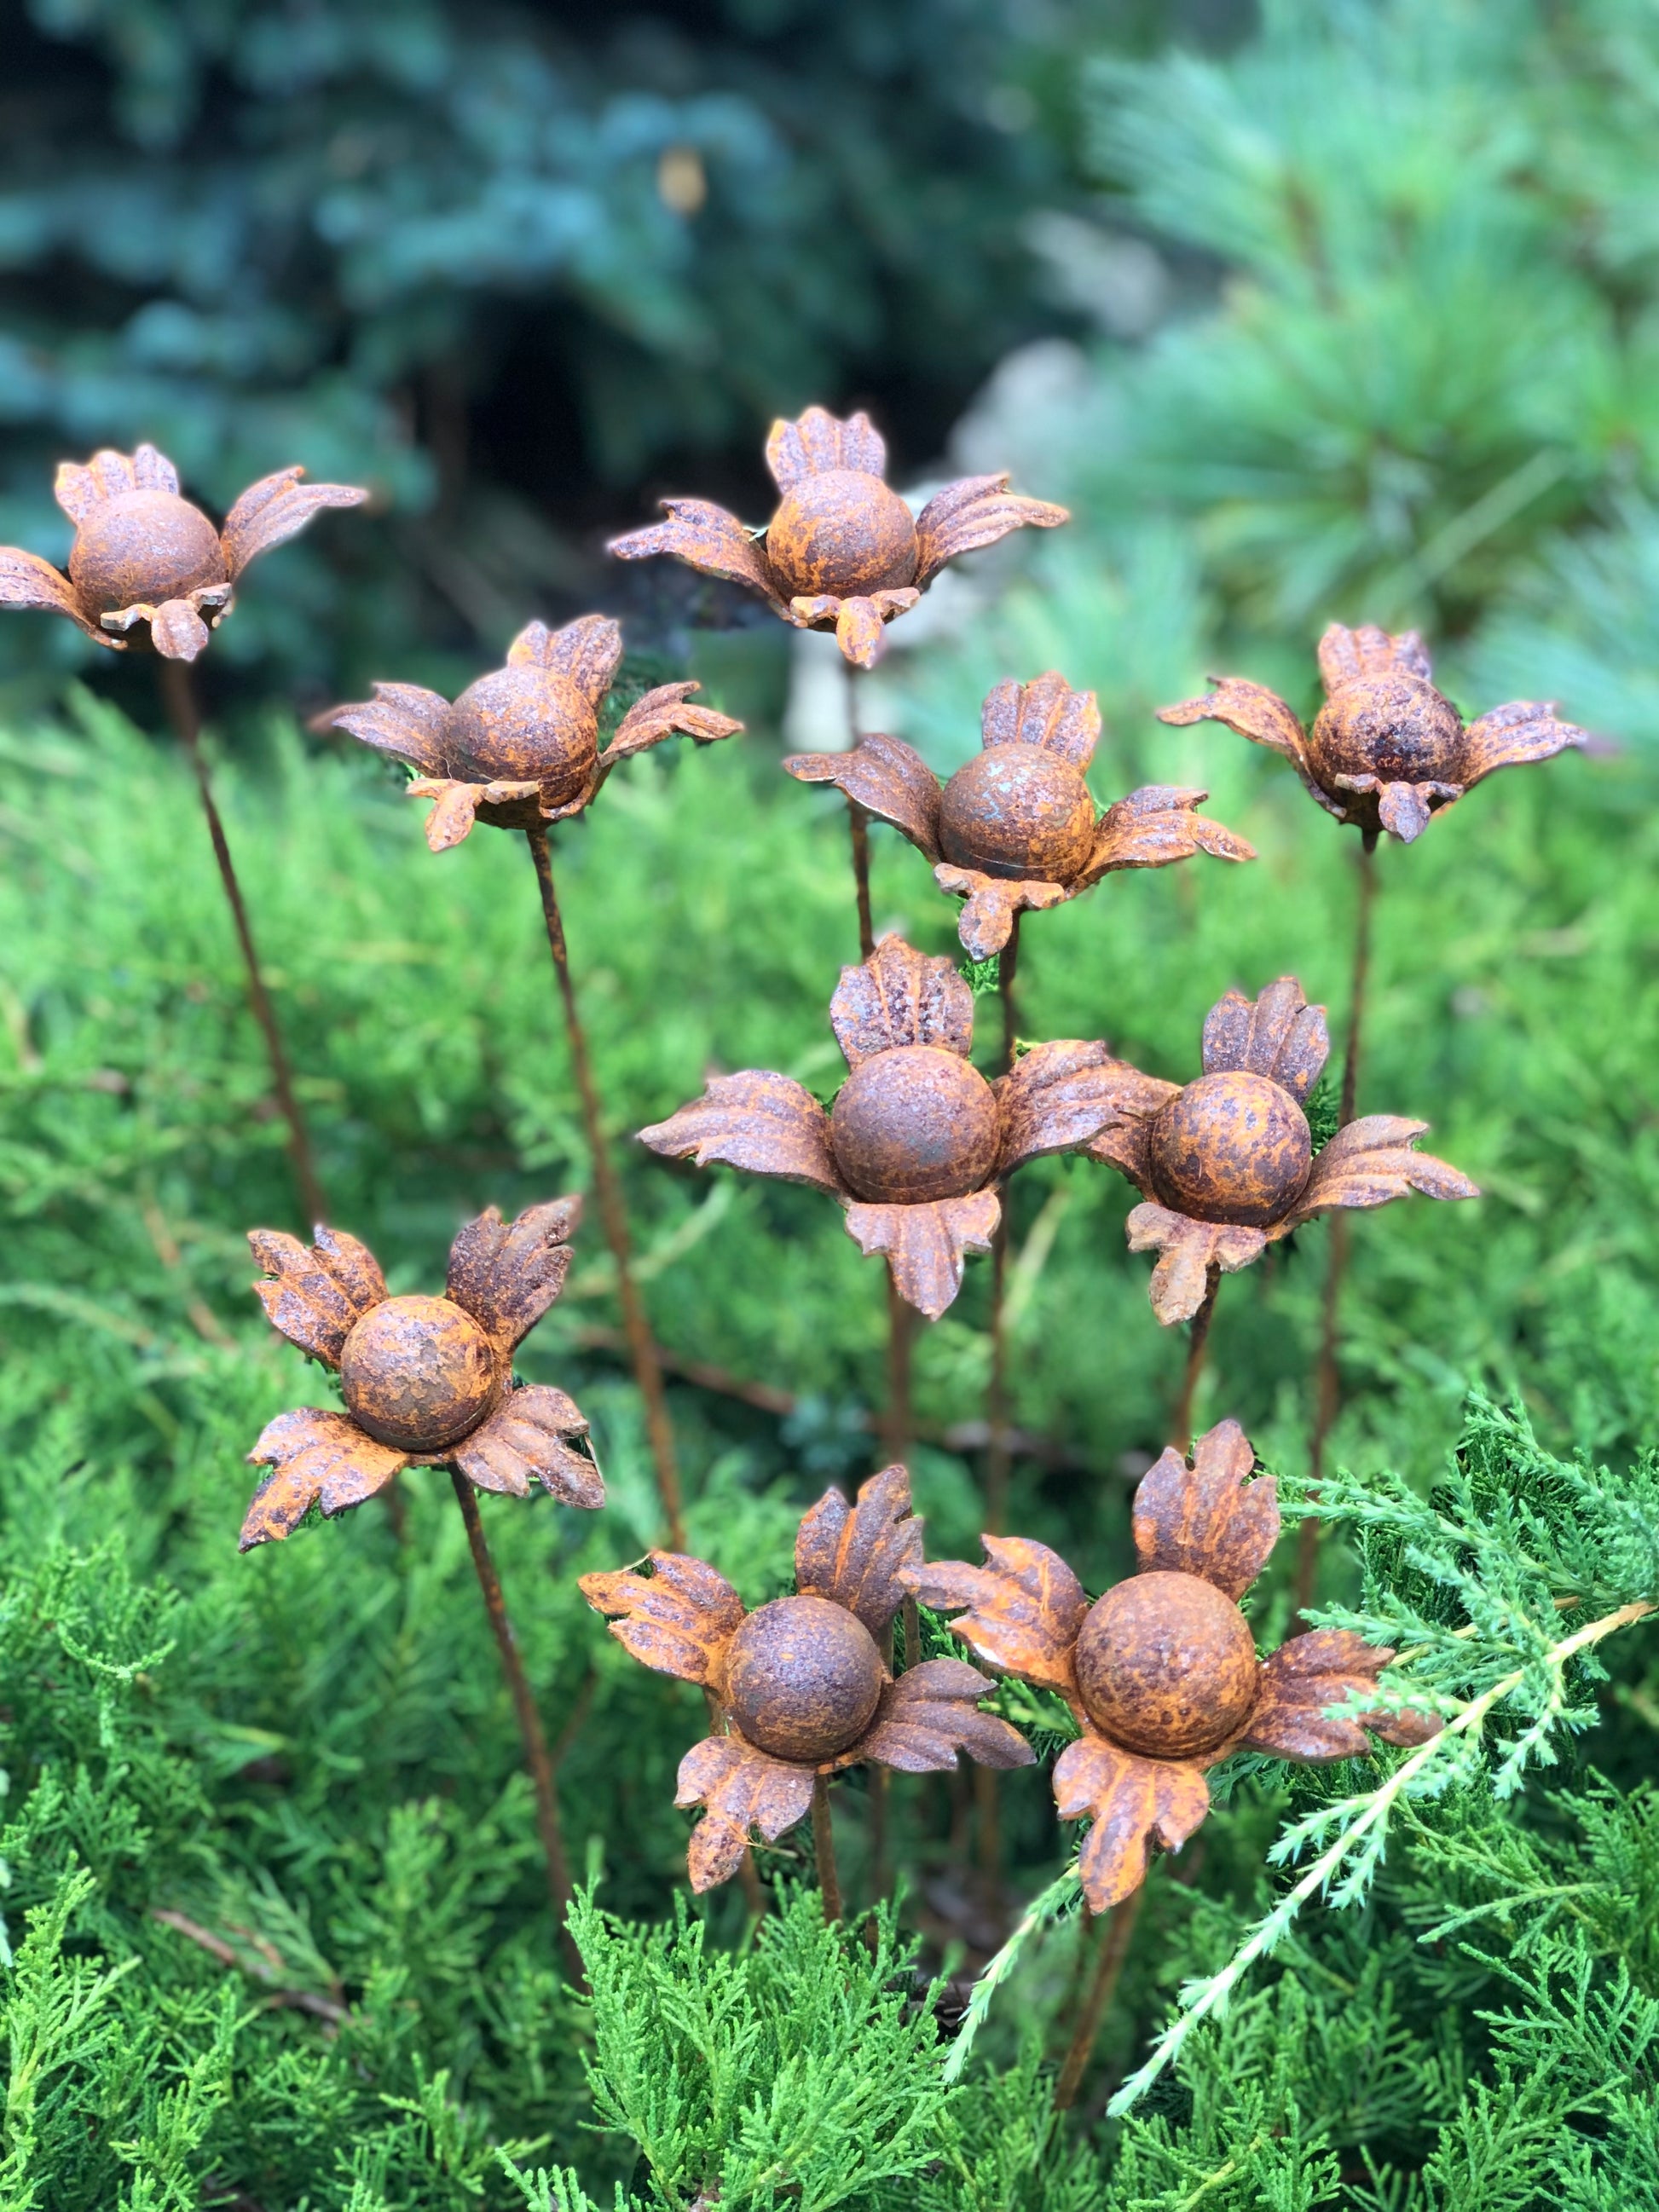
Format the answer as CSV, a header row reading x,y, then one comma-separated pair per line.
x,y
842,531
804,1678
914,1124
1395,727
420,1373
1166,1665
1231,1147
1019,811
526,723
145,547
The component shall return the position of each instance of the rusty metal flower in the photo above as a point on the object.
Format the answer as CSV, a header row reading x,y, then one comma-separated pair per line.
x,y
1227,1165
842,551
1387,750
427,1381
917,1142
521,746
1016,829
143,553
803,1685
1161,1673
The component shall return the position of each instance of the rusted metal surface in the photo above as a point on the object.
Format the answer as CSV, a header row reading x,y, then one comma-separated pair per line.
x,y
426,1380
520,747
1161,1673
143,553
842,551
802,1686
1016,830
1387,750
918,1142
1226,1164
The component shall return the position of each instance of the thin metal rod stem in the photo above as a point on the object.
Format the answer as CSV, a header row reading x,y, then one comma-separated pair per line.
x,y
1114,1949
613,1213
823,1850
896,1429
1328,1376
1181,1423
178,697
536,1757
998,1455
858,822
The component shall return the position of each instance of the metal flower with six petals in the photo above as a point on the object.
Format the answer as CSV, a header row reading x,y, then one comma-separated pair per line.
x,y
521,745
1226,1164
1016,829
1161,1673
1387,750
143,553
803,1684
917,1141
427,1381
842,551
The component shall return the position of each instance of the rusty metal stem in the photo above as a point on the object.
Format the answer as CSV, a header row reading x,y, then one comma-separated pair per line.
x,y
1180,1424
536,1757
896,1439
1114,1949
823,1850
998,1455
613,1215
1327,1377
858,822
179,697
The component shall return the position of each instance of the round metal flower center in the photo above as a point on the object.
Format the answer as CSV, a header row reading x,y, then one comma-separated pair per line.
x,y
804,1679
841,531
1017,811
913,1124
1231,1147
1396,727
524,724
420,1373
142,547
1166,1665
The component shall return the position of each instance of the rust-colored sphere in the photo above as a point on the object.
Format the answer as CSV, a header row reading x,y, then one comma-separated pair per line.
x,y
913,1124
1017,811
1395,726
523,724
142,547
1231,1147
1167,1666
419,1373
804,1679
841,531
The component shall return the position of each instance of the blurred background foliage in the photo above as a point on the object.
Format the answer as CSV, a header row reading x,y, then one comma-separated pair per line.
x,y
1345,312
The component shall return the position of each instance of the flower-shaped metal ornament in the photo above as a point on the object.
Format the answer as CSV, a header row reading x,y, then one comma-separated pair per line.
x,y
143,554
1387,750
1226,1164
427,1381
1016,830
842,551
917,1141
1161,1673
803,1684
520,747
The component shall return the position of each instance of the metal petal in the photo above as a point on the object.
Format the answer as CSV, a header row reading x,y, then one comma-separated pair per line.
x,y
1046,712
452,819
930,1715
1251,709
817,442
1345,654
706,537
107,475
1131,1803
1190,1250
274,510
926,1245
743,1789
976,511
887,778
316,1295
527,1436
26,580
678,1620
507,1276
1326,1667
587,651
1277,1035
1404,809
858,631
1155,825
899,996
987,921
1061,1095
403,720
320,1459
664,713
1511,735
863,1556
176,630
1370,1162
1202,1520
769,1124
1022,1609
